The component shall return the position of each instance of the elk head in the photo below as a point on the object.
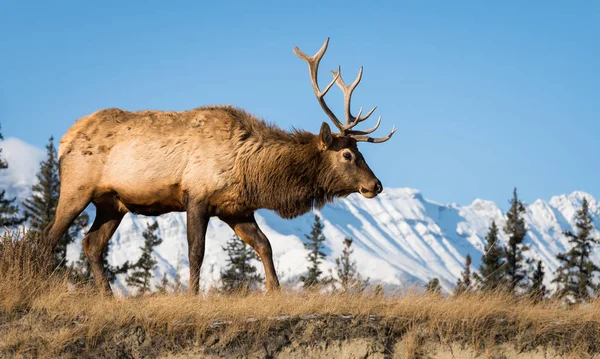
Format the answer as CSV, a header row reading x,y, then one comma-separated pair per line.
x,y
350,171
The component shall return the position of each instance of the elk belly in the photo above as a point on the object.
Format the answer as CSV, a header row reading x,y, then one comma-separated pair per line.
x,y
144,178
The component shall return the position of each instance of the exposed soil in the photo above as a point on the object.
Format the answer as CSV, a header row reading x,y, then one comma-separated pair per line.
x,y
309,336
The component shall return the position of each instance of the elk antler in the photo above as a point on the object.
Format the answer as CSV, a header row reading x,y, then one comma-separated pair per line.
x,y
351,121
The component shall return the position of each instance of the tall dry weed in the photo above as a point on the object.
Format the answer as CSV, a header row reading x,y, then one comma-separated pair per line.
x,y
25,269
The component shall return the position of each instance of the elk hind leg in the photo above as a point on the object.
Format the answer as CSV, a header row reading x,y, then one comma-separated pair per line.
x,y
248,230
68,209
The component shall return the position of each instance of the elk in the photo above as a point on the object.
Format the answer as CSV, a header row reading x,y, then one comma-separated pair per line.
x,y
210,161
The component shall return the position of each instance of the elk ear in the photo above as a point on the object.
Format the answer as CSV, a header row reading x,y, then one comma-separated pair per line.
x,y
325,135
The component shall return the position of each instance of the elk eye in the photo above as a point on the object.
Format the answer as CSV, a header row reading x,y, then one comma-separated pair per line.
x,y
347,156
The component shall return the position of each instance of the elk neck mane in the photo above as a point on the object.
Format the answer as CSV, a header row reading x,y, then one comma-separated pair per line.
x,y
280,170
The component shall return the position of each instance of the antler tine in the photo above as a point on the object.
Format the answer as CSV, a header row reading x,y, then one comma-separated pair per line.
x,y
313,67
367,138
351,121
365,132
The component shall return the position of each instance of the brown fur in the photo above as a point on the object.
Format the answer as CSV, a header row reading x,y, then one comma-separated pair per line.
x,y
210,161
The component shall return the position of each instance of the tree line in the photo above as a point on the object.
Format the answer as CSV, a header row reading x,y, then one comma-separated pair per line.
x,y
505,267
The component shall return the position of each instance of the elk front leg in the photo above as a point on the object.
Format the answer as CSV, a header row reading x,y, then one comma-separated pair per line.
x,y
197,222
248,230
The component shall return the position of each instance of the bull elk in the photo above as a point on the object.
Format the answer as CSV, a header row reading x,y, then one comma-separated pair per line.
x,y
210,161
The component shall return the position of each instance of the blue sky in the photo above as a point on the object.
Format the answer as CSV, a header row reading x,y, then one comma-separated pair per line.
x,y
485,96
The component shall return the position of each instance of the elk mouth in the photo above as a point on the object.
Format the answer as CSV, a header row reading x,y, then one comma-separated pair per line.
x,y
344,193
367,193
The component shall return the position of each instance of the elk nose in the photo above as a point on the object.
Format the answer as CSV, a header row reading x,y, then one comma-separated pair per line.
x,y
378,187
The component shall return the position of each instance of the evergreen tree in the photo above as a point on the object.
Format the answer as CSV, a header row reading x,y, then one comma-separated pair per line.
x,y
164,285
538,290
177,285
574,276
73,232
110,270
434,286
516,267
316,255
9,212
142,274
40,208
492,261
464,282
348,276
239,275
81,271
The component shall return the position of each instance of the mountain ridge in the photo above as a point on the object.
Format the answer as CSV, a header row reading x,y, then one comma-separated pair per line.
x,y
400,238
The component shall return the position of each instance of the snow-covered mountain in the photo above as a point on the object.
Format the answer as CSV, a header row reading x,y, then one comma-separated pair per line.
x,y
23,163
401,238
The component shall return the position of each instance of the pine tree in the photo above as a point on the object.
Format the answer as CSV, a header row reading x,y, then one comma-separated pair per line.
x,y
40,208
348,276
538,290
574,276
81,271
239,275
73,232
464,282
492,261
316,255
142,274
515,272
434,286
110,270
164,285
9,212
177,285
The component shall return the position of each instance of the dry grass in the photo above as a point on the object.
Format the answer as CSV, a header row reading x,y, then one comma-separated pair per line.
x,y
42,314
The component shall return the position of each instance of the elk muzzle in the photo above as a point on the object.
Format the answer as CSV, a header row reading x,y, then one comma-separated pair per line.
x,y
371,189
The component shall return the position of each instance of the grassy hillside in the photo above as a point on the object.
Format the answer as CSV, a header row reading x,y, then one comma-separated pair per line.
x,y
43,315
